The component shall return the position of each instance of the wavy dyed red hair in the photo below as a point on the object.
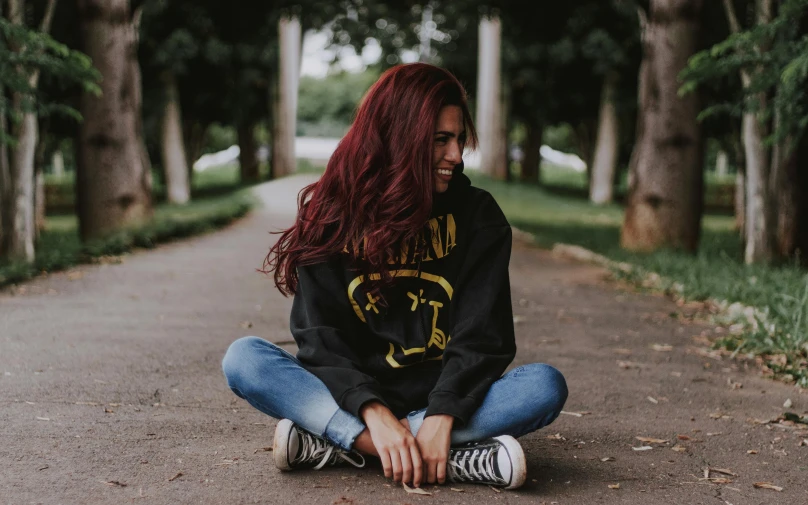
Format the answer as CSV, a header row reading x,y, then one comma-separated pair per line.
x,y
377,187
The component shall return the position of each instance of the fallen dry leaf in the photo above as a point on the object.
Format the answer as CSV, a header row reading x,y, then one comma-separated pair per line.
x,y
751,451
624,352
724,471
115,483
651,440
683,437
246,324
767,485
456,490
614,486
576,414
718,480
652,400
714,434
608,458
803,442
495,489
43,418
679,448
415,490
557,436
626,365
179,474
642,448
787,404
662,347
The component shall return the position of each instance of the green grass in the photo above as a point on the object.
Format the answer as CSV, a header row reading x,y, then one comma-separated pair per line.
x,y
716,271
59,246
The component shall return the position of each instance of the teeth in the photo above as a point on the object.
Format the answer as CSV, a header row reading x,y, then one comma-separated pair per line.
x,y
444,172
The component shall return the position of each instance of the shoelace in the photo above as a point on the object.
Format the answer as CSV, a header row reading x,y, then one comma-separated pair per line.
x,y
314,448
474,466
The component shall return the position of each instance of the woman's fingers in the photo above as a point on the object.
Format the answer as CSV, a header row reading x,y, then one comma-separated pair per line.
x,y
406,465
384,456
431,471
395,461
441,471
417,466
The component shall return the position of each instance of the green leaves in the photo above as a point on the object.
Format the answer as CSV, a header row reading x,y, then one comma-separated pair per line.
x,y
26,54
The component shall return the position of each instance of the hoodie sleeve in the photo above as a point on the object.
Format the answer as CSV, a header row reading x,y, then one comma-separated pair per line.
x,y
323,327
482,343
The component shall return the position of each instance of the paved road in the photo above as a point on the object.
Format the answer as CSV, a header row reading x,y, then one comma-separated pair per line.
x,y
111,389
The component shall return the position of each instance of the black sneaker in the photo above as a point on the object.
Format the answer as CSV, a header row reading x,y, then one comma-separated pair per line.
x,y
497,461
295,447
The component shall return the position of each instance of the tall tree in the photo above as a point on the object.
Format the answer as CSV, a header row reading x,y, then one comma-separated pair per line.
x,y
666,179
26,55
771,58
113,179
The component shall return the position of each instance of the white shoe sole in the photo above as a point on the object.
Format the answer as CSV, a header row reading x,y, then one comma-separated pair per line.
x,y
518,462
280,445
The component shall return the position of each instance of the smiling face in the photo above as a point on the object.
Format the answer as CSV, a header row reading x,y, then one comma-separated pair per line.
x,y
449,140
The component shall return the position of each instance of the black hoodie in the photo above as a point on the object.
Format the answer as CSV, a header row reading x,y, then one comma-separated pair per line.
x,y
445,333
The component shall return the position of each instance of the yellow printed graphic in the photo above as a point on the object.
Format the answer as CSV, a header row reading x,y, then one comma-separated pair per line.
x,y
438,338
416,299
395,273
372,304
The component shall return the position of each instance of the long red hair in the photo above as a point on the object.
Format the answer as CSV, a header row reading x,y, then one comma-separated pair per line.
x,y
376,192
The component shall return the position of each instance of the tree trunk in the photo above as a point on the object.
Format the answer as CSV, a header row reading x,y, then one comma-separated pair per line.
x,y
113,180
790,195
22,232
39,184
584,142
604,164
5,179
740,201
665,200
531,153
758,230
490,113
248,150
721,163
283,137
172,147
194,133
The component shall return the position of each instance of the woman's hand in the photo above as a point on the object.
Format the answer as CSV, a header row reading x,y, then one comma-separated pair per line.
x,y
433,439
395,444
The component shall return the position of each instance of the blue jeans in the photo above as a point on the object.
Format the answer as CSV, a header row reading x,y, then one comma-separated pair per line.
x,y
522,401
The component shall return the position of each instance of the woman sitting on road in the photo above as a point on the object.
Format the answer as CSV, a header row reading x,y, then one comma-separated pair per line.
x,y
402,306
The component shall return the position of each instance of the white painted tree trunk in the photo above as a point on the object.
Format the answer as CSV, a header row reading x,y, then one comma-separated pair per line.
x,y
5,181
722,163
58,163
740,202
173,149
20,240
285,109
21,230
604,163
490,114
758,232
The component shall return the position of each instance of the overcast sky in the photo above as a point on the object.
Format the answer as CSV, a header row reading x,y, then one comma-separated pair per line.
x,y
316,58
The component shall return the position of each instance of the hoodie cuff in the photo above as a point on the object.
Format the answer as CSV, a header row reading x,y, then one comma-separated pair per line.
x,y
448,403
353,399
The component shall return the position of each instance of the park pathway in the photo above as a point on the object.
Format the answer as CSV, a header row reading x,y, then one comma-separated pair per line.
x,y
111,389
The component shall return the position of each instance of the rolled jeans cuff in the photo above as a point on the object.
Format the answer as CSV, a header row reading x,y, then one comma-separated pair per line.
x,y
343,428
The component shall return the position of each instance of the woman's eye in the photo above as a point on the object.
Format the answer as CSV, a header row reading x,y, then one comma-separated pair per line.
x,y
441,140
